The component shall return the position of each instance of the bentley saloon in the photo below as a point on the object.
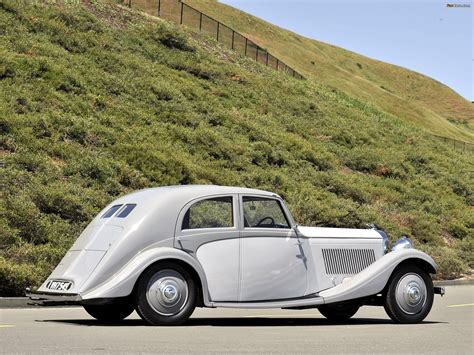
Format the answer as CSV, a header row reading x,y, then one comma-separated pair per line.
x,y
165,251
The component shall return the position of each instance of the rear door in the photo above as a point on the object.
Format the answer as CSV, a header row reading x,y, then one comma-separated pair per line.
x,y
208,229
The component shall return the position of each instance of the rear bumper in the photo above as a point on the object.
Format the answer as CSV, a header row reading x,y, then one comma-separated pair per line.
x,y
52,298
439,291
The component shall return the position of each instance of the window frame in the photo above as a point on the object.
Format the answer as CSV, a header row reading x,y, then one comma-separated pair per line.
x,y
190,204
280,203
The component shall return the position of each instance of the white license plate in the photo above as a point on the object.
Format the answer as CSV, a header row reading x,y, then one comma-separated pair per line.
x,y
58,285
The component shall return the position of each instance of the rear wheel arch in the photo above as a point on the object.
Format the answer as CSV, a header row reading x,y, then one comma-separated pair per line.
x,y
192,271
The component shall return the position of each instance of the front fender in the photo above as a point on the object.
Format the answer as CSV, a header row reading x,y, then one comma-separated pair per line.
x,y
373,279
122,283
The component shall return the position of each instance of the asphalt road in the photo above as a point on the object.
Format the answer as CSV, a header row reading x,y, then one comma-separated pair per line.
x,y
448,329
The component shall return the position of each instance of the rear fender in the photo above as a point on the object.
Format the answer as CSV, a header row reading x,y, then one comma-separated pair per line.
x,y
123,282
374,278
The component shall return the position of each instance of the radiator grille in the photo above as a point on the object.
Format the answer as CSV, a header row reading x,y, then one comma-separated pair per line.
x,y
347,261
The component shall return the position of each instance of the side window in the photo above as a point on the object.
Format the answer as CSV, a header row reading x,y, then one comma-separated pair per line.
x,y
211,213
263,213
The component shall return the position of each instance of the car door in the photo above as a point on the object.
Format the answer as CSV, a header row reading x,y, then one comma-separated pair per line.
x,y
273,264
208,229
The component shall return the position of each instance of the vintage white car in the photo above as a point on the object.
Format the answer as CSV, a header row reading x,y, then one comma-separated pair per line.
x,y
164,251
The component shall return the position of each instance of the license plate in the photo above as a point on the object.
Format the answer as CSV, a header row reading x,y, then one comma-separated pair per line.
x,y
58,285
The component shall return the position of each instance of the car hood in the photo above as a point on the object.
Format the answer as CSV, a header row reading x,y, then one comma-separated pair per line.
x,y
343,233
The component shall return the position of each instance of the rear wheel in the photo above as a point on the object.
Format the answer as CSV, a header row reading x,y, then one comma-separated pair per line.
x,y
409,295
166,295
109,312
338,312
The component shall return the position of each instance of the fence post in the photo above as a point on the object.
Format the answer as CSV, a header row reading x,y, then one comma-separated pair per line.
x,y
182,9
266,62
278,64
130,3
246,44
159,8
256,55
200,22
233,38
218,28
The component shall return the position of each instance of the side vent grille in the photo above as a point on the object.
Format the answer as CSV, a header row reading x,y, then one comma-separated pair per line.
x,y
347,261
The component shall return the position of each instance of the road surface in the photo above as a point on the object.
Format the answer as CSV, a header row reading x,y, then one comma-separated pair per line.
x,y
448,329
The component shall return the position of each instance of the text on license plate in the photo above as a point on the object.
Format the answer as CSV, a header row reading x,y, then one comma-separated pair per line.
x,y
59,285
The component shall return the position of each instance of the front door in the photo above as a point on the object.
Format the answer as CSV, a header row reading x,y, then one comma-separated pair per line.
x,y
273,264
208,230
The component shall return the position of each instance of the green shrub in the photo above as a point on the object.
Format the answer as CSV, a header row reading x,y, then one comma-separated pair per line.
x,y
174,40
15,278
448,262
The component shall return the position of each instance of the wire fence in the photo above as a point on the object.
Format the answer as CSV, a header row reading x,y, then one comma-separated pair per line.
x,y
461,146
184,14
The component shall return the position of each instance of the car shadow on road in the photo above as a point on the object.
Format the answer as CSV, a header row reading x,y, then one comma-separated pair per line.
x,y
236,322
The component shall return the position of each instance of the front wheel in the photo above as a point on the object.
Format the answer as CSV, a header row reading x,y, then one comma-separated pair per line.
x,y
166,295
109,312
338,312
409,295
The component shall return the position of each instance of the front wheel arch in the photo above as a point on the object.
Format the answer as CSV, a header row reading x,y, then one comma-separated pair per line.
x,y
422,264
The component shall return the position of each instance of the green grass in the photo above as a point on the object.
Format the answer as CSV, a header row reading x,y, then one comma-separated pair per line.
x,y
97,101
399,91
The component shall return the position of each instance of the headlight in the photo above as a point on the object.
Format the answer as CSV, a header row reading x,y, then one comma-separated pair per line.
x,y
385,240
403,243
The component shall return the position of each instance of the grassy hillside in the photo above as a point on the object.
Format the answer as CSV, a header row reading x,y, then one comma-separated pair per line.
x,y
97,101
404,93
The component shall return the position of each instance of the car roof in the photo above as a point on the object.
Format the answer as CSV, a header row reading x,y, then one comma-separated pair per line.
x,y
190,192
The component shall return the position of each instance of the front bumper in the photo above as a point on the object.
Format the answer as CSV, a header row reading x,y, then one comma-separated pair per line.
x,y
52,298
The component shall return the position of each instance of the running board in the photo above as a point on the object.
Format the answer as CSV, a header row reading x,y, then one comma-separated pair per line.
x,y
295,303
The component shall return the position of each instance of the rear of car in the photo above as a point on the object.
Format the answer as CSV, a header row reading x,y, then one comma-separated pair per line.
x,y
66,282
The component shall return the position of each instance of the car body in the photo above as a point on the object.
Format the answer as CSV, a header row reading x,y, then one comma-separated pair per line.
x,y
215,246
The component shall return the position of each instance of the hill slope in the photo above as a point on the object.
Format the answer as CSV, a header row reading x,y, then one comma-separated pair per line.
x,y
97,101
399,91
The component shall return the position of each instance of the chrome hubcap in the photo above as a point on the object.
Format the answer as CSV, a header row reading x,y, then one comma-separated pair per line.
x,y
411,293
167,292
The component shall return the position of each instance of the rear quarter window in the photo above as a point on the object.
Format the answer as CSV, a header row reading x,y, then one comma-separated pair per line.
x,y
111,211
124,212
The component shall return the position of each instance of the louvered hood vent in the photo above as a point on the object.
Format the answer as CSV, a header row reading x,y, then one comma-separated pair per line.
x,y
347,261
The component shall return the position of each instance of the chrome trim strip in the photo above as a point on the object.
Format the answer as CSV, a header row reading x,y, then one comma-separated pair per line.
x,y
302,302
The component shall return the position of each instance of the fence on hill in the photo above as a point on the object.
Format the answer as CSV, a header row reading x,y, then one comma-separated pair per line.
x,y
180,12
461,146
184,14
